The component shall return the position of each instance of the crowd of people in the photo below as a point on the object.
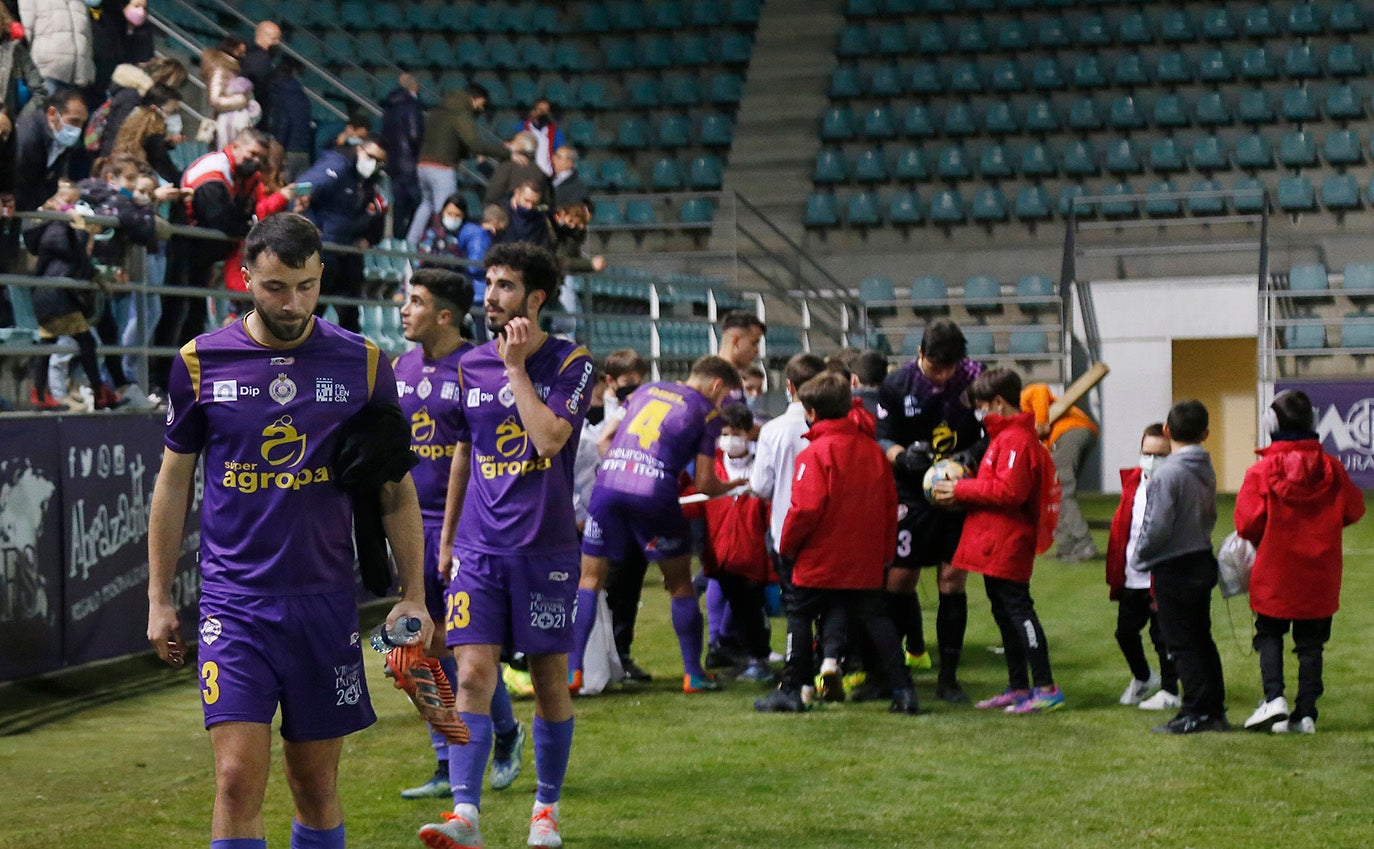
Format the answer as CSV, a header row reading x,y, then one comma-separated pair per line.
x,y
85,95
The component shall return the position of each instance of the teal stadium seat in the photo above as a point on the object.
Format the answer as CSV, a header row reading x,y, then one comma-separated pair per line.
x,y
1041,117
1079,159
1123,157
1212,110
1298,150
743,11
1307,337
706,172
822,210
932,39
1032,204
947,207
1068,204
673,131
959,121
929,287
1117,204
1304,19
885,81
905,208
640,212
1170,111
1344,60
863,210
1357,330
691,49
1217,24
1177,26
726,88
873,291
918,122
1248,195
632,133
870,166
925,79
973,37
666,175
994,163
569,56
618,53
682,89
1046,75
1342,147
1134,28
1087,72
1157,202
1297,194
1341,193
1358,280
982,294
1093,31
1299,105
1000,119
1300,62
1206,205
642,92
1130,71
734,48
592,95
1255,64
1037,161
965,77
1209,155
608,214
1085,115
1028,343
1260,23
990,205
837,124
716,130
696,211
1173,68
1007,76
1052,34
853,41
979,343
1255,107
1126,114
1254,152
1215,66
878,124
1348,17
666,15
1308,278
830,168
910,165
1166,156
1343,103
893,40
1034,286
951,164
1013,36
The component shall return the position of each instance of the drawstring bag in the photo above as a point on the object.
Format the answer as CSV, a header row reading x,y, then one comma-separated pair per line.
x,y
1234,562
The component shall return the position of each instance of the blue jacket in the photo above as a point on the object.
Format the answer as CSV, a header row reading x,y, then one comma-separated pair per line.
x,y
470,242
289,118
339,199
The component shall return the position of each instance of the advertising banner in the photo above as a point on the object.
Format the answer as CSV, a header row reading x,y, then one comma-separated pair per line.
x,y
1344,411
31,605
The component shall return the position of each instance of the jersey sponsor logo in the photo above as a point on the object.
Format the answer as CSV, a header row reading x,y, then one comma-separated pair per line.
x,y
910,407
171,412
943,440
282,390
225,390
283,448
449,391
421,425
283,445
575,399
476,397
592,529
511,438
403,389
558,576
511,441
327,390
210,630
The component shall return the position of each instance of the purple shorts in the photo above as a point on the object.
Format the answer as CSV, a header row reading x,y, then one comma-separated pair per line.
x,y
618,523
435,586
522,602
300,652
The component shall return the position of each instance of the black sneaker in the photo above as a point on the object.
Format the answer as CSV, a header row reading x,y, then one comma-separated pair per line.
x,y
870,691
904,701
780,700
634,674
952,693
719,657
1185,724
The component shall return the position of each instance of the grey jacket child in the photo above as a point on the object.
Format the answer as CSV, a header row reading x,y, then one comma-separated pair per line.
x,y
1180,508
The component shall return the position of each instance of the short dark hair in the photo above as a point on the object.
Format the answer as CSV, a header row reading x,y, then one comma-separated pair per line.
x,y
65,98
739,319
1187,421
625,361
1155,429
801,368
457,200
996,383
752,370
292,238
711,367
451,290
360,117
838,366
477,90
1294,411
538,268
737,416
943,343
160,94
252,135
827,395
871,368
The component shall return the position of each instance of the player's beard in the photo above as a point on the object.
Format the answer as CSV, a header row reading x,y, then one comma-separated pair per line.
x,y
280,331
495,328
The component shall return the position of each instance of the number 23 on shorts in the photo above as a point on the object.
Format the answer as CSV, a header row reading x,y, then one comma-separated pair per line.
x,y
458,615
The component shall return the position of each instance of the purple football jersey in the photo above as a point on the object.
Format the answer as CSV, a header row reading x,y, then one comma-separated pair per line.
x,y
518,502
266,421
666,426
431,400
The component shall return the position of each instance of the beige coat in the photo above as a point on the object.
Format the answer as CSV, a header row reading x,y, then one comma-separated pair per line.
x,y
217,68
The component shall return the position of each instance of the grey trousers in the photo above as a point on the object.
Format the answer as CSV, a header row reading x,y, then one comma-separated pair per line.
x,y
1069,453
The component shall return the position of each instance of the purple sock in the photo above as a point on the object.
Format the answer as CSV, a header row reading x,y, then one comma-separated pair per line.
x,y
687,625
305,837
239,842
552,745
717,611
582,627
439,741
466,764
502,714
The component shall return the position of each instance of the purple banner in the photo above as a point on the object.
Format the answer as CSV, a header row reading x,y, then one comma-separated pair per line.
x,y
30,549
1345,422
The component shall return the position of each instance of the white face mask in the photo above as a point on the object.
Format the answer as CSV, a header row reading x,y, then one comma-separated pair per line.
x,y
452,223
1149,463
367,166
174,125
980,414
733,445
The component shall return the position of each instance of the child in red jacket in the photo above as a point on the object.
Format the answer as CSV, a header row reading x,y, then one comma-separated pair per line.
x,y
1012,507
1130,587
1292,506
839,535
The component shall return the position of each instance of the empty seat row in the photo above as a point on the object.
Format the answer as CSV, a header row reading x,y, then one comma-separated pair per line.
x,y
668,131
1134,27
595,93
481,18
1222,21
641,212
1355,330
1028,343
981,292
1088,114
667,174
1357,278
654,51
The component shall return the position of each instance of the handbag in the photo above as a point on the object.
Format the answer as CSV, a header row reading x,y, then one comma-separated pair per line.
x,y
1235,559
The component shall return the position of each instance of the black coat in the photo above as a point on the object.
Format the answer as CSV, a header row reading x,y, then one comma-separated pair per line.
x,y
403,128
374,449
61,252
259,66
33,138
289,120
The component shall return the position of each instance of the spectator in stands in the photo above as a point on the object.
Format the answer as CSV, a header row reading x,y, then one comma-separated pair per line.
x,y
271,195
46,142
120,33
356,130
519,169
127,89
59,34
495,221
451,135
289,119
568,186
570,238
547,135
529,217
1070,438
260,60
147,135
219,67
454,233
229,124
403,129
347,207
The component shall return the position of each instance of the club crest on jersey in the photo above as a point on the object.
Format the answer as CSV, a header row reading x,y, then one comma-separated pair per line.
x,y
506,396
424,388
171,413
210,630
282,390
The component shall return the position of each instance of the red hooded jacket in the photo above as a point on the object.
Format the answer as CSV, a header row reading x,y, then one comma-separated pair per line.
x,y
1292,506
1120,536
1014,496
842,526
736,526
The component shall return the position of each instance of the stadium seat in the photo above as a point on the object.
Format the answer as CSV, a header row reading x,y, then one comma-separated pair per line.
x,y
1206,205
583,134
734,48
1214,66
1028,343
965,77
1209,155
1358,280
673,131
1006,76
930,287
1033,287
1079,159
1000,119
1093,31
994,163
706,172
1051,34
666,175
1341,193
830,168
726,88
1125,114
1254,152
1170,111
1343,103
911,343
870,166
1157,202
853,41
951,164
1304,336
1255,64
1087,72
973,37
1299,105
595,18
1032,204
691,49
1177,26
1357,330
918,122
1260,23
925,78
1129,71
947,207
822,210
1085,115
885,81
696,211
1300,62
608,214
863,210
1217,24
904,209
837,124
979,343
743,11
1348,17
1248,195
632,134
1308,278
874,291
1116,203
1067,197
1173,68
716,130
642,92
1166,156
1134,28
1344,60
1298,150
1297,194
932,39
1304,19
1342,147
878,124
1036,161
910,165
989,205
1046,75
982,294
1255,107
592,94
1013,36
959,121
1212,110
1041,117
681,89
1123,157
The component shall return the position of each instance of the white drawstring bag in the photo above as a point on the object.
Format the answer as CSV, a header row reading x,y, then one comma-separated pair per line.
x,y
1235,559
601,662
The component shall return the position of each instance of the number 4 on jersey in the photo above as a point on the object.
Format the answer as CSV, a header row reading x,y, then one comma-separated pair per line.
x,y
648,422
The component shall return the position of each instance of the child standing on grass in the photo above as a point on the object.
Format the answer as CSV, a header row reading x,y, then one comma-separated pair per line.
x,y
1175,546
1130,587
1292,506
1012,505
840,533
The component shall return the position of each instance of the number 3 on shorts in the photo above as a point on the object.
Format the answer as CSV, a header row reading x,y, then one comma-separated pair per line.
x,y
904,543
209,673
458,614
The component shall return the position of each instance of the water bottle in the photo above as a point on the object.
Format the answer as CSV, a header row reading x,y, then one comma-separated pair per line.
x,y
407,627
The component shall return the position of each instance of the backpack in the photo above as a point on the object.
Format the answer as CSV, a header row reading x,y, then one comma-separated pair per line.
x,y
95,128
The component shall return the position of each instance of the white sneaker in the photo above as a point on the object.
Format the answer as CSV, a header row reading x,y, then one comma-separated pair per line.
x,y
457,831
1306,725
136,400
1268,713
1163,700
544,826
1136,690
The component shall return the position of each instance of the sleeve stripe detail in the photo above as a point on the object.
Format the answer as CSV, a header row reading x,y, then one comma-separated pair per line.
x,y
191,357
373,355
579,351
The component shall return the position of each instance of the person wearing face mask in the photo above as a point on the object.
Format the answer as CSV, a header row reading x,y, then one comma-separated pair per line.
x,y
60,42
147,134
45,144
548,137
349,210
1292,506
452,233
529,216
513,173
1070,439
1130,588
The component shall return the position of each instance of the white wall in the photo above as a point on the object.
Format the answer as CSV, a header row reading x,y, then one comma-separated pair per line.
x,y
1138,320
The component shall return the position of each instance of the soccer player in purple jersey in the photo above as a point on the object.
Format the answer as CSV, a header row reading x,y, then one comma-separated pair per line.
x,y
427,384
263,400
666,428
509,522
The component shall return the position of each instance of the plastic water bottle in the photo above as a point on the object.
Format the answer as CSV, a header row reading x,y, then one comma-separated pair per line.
x,y
407,628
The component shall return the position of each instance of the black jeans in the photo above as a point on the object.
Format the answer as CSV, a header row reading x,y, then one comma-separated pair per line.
x,y
1135,610
1309,638
1023,640
1183,593
838,611
750,623
624,586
